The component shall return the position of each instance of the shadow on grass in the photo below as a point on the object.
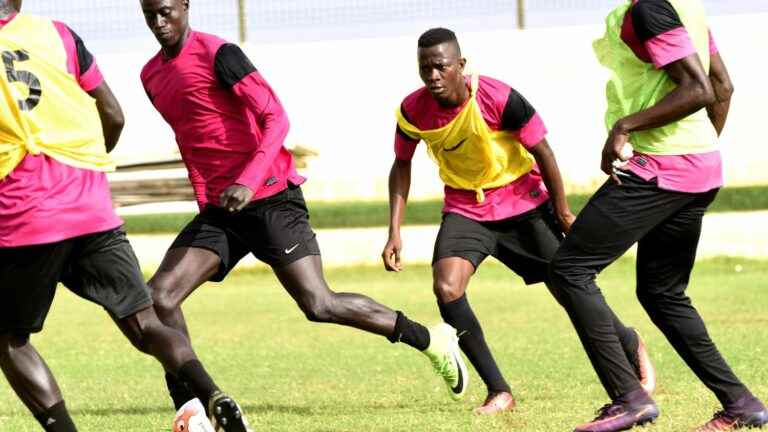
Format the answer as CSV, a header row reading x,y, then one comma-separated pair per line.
x,y
346,409
257,409
129,410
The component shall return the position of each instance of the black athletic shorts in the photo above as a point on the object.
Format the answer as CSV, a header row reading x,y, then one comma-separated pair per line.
x,y
525,243
275,230
98,267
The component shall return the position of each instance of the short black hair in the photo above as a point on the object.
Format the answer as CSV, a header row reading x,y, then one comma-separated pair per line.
x,y
436,36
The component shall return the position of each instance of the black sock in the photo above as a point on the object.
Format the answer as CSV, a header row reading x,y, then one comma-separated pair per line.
x,y
179,391
459,314
410,333
197,379
56,419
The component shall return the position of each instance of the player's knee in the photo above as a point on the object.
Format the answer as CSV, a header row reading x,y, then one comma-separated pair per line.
x,y
165,302
447,291
319,309
562,275
11,341
140,327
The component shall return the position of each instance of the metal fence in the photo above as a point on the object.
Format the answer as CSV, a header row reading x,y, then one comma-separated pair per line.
x,y
118,22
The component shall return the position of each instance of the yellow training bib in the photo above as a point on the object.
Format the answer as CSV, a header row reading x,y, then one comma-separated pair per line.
x,y
43,109
468,153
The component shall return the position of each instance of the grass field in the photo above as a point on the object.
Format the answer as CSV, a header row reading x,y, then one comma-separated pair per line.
x,y
376,213
292,375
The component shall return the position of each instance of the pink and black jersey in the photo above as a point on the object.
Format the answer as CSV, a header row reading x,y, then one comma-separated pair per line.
x,y
503,108
656,34
229,124
45,201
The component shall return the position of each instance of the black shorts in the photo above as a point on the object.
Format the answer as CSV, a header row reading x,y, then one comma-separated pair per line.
x,y
275,230
98,267
525,243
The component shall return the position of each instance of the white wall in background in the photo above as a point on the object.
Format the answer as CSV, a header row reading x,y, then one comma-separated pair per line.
x,y
341,96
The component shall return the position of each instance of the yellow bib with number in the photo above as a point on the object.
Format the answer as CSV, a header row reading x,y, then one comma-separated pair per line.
x,y
469,154
43,109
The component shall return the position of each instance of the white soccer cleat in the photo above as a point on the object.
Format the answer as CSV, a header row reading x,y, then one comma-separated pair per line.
x,y
191,418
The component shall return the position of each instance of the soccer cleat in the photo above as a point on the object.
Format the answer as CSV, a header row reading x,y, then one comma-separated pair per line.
x,y
617,417
226,414
191,418
443,352
748,413
723,421
496,403
645,370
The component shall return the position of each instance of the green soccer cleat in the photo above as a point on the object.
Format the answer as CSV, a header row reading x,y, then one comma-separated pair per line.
x,y
443,352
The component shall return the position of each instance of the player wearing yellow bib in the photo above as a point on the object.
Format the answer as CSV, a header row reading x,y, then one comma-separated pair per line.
x,y
503,195
668,96
58,119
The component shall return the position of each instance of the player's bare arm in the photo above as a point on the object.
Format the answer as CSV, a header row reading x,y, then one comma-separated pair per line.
x,y
399,186
112,120
723,88
550,173
693,92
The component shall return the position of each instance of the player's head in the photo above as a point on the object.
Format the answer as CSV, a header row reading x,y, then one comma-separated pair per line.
x,y
441,65
168,20
9,6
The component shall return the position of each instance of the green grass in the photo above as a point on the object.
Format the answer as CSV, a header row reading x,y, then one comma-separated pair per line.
x,y
293,375
376,213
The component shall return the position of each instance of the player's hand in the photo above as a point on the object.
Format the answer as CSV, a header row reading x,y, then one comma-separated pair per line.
x,y
391,254
235,197
565,219
615,152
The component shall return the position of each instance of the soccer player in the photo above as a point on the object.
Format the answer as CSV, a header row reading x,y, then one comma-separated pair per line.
x,y
58,120
230,128
494,159
669,97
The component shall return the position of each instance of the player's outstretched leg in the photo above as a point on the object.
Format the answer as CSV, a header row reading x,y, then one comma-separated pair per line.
x,y
304,281
33,382
174,352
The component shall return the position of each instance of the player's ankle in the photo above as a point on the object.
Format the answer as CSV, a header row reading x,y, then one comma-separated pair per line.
x,y
56,419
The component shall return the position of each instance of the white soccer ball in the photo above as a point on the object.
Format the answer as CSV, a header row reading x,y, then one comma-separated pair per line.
x,y
191,418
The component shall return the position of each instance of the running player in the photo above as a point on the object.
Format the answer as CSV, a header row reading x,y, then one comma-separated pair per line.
x,y
669,96
490,146
58,119
230,128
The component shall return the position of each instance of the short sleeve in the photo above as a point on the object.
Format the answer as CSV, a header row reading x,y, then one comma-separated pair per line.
x,y
712,45
520,117
405,146
658,26
231,65
80,62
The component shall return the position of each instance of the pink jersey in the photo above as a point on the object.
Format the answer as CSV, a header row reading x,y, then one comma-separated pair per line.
x,y
45,201
503,108
229,124
654,32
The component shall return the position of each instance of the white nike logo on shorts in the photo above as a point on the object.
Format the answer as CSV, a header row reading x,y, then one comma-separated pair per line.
x,y
291,249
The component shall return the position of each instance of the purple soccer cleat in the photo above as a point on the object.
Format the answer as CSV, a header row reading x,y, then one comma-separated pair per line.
x,y
617,417
747,412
